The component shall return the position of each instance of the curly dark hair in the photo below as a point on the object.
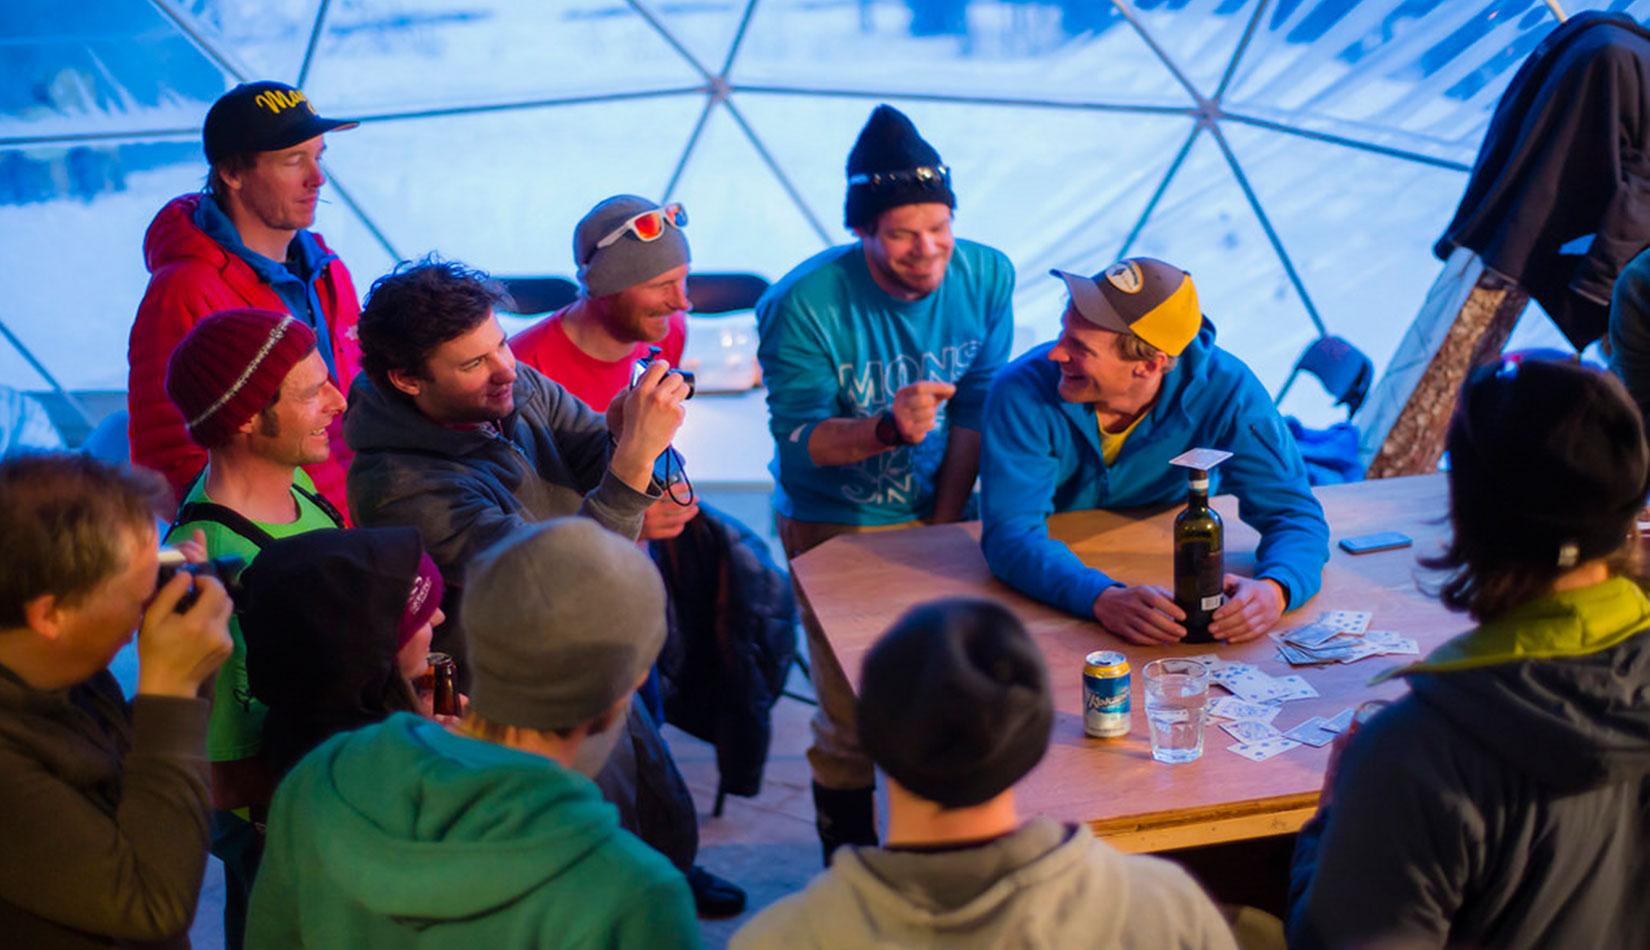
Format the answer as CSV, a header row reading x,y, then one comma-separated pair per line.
x,y
416,308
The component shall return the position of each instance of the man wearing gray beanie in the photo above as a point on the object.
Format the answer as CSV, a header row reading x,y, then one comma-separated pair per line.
x,y
954,707
491,833
877,355
632,256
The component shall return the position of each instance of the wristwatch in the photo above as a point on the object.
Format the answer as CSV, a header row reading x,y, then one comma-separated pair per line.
x,y
887,432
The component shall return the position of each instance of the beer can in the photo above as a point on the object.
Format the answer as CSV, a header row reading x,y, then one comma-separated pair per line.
x,y
1106,694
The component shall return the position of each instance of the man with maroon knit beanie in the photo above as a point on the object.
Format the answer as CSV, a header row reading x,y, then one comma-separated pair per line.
x,y
255,394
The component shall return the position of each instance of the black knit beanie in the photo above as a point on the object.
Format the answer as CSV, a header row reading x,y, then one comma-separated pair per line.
x,y
954,702
902,169
1548,463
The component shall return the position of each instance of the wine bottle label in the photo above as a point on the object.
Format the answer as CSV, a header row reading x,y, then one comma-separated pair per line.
x,y
1211,603
1199,484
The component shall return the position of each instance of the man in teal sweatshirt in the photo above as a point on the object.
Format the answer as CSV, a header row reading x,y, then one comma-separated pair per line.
x,y
1092,420
490,834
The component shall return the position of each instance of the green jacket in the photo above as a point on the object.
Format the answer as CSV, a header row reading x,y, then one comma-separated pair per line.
x,y
404,834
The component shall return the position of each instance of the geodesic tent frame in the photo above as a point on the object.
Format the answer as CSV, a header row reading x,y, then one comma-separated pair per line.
x,y
1298,156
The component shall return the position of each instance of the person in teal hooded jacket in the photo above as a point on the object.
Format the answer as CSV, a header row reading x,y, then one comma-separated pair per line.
x,y
1505,801
489,833
1092,420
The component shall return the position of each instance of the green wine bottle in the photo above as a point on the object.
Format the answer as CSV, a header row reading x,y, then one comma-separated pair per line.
x,y
1199,560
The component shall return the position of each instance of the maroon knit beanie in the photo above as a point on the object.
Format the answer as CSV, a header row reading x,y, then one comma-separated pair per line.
x,y
230,366
422,600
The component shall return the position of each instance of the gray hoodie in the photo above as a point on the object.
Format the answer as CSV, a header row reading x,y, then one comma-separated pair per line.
x,y
464,489
1045,885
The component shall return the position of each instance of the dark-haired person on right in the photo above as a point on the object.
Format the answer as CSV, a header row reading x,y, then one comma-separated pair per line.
x,y
1505,801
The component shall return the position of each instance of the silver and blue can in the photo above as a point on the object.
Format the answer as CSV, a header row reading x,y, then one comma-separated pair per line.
x,y
1106,694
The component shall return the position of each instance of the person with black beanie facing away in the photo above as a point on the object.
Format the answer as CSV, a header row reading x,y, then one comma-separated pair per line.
x,y
1503,801
955,708
337,627
877,356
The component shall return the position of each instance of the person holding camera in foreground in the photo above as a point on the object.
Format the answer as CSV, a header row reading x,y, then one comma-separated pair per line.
x,y
103,804
1505,800
453,438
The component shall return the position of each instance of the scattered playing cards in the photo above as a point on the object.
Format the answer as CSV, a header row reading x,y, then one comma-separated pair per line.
x,y
1341,721
1339,636
1262,749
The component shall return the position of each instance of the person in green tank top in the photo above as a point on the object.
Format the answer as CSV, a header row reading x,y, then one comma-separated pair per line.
x,y
257,396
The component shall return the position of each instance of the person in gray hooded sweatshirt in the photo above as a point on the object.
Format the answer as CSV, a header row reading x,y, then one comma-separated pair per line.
x,y
1505,802
954,707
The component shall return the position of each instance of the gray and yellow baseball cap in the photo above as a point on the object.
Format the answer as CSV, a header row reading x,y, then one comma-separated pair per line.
x,y
1140,296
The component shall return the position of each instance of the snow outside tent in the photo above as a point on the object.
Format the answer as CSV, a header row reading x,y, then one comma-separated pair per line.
x,y
1298,157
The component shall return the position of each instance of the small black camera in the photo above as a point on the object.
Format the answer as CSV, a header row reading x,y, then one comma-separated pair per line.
x,y
226,569
653,354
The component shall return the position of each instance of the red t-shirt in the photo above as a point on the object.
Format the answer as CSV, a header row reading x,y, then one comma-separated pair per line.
x,y
546,347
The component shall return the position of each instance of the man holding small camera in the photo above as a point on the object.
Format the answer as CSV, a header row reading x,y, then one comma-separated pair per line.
x,y
453,438
103,804
255,393
633,259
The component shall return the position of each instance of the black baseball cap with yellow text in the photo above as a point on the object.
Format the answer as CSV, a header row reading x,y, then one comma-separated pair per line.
x,y
263,117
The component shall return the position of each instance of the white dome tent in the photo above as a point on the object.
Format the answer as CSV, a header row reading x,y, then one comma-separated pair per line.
x,y
1299,157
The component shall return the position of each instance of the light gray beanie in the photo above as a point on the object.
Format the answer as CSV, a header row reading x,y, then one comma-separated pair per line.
x,y
629,260
562,619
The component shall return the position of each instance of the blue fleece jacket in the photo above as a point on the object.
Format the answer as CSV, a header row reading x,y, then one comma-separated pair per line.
x,y
293,279
1041,455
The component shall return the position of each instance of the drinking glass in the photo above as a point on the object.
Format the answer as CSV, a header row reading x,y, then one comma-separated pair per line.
x,y
1177,696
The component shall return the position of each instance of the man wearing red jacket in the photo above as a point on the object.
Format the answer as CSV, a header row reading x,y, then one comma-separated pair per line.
x,y
242,243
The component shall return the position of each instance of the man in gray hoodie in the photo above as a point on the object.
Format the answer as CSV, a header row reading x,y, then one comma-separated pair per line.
x,y
954,707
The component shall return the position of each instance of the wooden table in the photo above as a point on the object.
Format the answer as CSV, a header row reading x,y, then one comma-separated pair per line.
x,y
859,584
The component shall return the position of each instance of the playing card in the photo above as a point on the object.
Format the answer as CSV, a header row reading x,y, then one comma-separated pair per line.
x,y
1341,721
1210,661
1312,634
1351,621
1314,732
1292,687
1390,642
1263,749
1230,707
1244,730
1200,458
1253,686
1295,656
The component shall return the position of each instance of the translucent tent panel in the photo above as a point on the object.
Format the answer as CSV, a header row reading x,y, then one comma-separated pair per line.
x,y
706,29
82,254
731,198
1007,51
1340,221
1419,75
114,66
389,56
263,39
507,199
1198,36
1205,225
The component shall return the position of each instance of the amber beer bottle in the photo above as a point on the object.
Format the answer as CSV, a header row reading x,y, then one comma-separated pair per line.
x,y
443,676
1199,560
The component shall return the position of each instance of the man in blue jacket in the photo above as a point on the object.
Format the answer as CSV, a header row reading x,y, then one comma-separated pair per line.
x,y
1091,421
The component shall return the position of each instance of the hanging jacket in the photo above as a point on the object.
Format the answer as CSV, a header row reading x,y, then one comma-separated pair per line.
x,y
404,834
1565,157
192,276
1506,801
732,640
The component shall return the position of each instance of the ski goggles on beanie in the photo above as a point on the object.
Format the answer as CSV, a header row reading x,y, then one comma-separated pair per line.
x,y
1142,297
934,176
649,225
